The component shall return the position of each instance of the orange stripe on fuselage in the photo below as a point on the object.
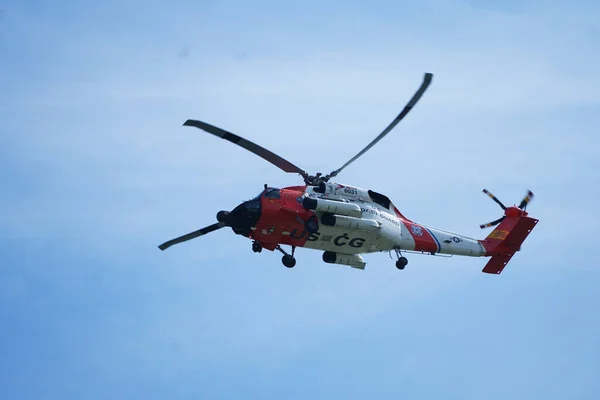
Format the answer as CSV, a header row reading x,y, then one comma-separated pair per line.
x,y
423,239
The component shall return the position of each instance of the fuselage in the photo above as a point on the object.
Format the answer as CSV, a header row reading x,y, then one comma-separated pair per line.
x,y
351,221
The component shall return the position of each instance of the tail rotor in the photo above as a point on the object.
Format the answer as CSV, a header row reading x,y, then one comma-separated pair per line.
x,y
528,197
522,206
494,198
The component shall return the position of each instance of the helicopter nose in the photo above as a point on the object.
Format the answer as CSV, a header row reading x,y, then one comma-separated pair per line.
x,y
244,217
224,217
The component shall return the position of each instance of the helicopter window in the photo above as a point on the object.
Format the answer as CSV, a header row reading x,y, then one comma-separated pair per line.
x,y
257,197
253,205
380,199
272,193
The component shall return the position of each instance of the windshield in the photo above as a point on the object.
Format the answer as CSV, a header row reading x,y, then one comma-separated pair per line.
x,y
257,197
272,193
253,205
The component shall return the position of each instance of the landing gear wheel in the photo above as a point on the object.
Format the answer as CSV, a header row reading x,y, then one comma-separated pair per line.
x,y
256,247
312,225
288,261
401,263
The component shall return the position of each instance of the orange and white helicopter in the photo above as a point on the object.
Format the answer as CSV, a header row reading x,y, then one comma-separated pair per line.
x,y
345,221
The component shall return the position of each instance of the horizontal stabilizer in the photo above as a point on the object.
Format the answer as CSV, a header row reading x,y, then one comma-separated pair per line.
x,y
519,233
511,242
497,263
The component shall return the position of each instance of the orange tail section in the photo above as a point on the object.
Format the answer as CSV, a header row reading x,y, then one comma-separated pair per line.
x,y
504,241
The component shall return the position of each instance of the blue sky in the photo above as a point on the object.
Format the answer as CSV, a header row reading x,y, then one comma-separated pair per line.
x,y
97,170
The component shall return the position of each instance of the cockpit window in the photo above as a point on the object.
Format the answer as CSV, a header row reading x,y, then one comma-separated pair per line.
x,y
272,193
380,199
253,205
258,196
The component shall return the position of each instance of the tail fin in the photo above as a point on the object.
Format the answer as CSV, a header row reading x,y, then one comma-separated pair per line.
x,y
504,241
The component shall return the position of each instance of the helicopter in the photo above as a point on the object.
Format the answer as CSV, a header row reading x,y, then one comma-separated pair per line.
x,y
346,222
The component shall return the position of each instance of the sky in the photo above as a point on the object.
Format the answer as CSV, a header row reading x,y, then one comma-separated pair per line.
x,y
96,170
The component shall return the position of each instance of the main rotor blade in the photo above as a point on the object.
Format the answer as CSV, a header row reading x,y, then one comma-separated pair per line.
x,y
192,235
426,81
248,145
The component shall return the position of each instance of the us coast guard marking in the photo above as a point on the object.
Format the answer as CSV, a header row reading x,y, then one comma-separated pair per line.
x,y
344,239
368,211
389,219
416,230
339,241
